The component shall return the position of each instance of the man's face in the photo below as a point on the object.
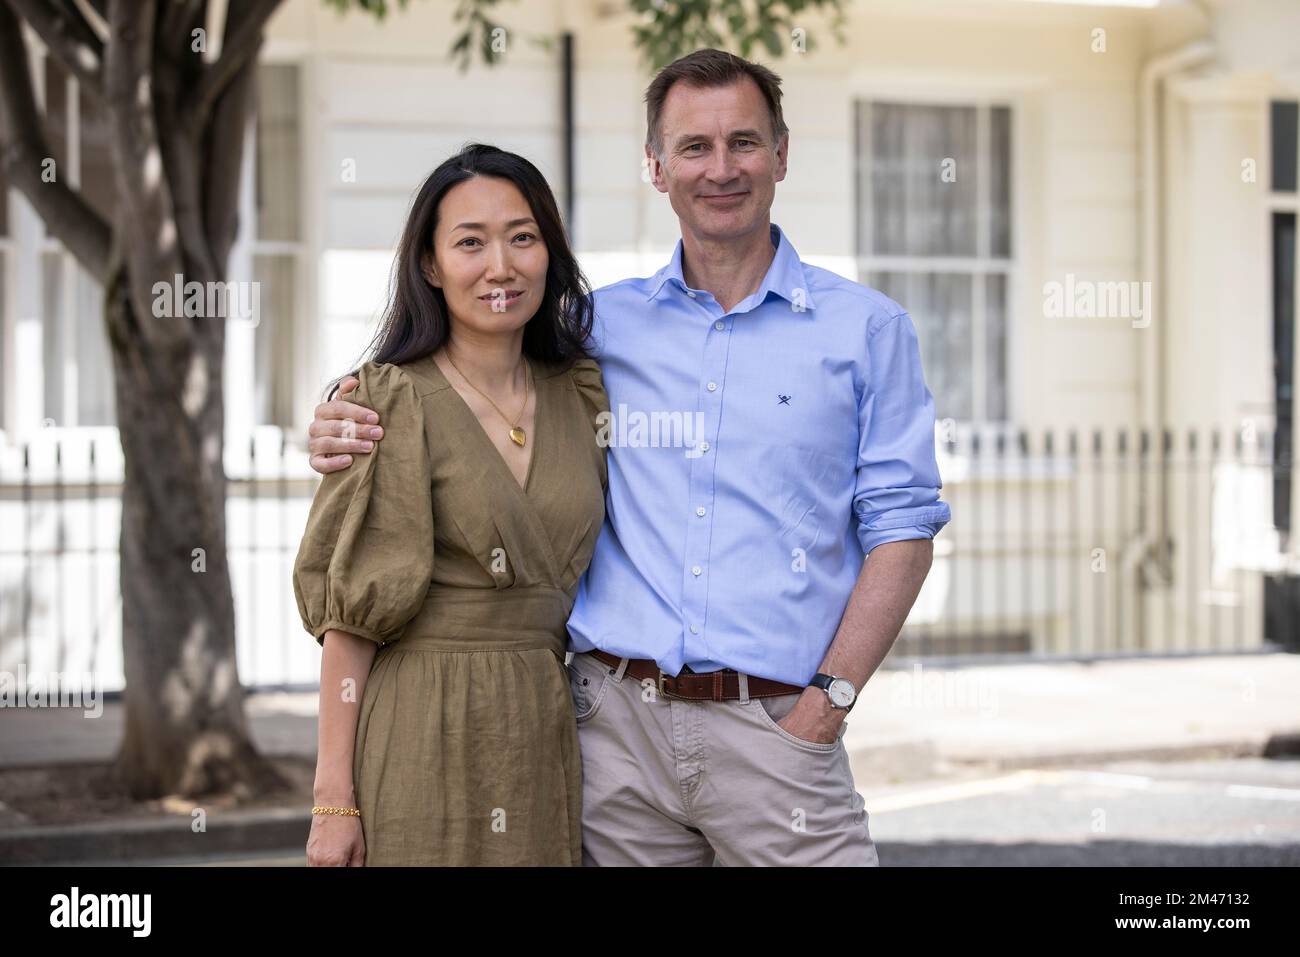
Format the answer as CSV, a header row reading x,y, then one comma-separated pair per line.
x,y
720,165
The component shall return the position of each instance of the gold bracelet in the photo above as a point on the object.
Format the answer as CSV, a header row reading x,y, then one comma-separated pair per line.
x,y
350,811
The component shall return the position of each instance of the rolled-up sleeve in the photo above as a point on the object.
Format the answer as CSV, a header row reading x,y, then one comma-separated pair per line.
x,y
896,496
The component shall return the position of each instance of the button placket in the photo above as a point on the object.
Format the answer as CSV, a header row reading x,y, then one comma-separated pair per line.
x,y
703,467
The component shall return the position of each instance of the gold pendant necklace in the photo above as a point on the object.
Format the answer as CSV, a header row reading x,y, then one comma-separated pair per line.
x,y
517,434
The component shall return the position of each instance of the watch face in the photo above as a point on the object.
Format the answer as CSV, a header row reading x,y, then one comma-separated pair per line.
x,y
842,692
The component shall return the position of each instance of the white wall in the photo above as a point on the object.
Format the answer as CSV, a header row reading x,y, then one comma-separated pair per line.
x,y
387,100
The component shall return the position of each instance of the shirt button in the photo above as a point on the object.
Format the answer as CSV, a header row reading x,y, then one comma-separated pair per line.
x,y
700,511
704,446
694,630
696,569
713,387
719,325
691,294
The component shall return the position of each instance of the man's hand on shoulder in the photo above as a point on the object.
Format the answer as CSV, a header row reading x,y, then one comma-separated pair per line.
x,y
339,429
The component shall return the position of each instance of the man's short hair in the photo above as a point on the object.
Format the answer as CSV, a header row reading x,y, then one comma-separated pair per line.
x,y
711,68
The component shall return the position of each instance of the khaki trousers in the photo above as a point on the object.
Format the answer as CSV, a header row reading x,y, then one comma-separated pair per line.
x,y
669,782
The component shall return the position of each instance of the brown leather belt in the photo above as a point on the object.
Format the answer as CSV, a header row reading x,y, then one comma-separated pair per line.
x,y
710,686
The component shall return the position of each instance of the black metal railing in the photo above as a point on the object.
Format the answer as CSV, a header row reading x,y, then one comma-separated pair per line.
x,y
1064,544
1095,543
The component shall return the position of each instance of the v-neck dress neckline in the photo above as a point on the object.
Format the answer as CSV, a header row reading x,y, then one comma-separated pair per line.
x,y
539,422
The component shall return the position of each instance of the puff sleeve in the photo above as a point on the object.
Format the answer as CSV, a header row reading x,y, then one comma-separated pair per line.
x,y
366,557
591,391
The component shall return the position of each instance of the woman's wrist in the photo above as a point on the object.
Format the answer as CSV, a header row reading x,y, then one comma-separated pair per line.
x,y
334,793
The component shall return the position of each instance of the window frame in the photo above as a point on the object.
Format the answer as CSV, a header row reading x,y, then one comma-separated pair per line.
x,y
978,266
8,296
44,243
1275,202
251,245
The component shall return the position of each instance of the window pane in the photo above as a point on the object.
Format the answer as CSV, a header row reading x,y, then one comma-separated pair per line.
x,y
940,307
995,339
1283,135
273,345
1284,293
923,175
52,344
95,401
278,166
77,363
1000,181
97,184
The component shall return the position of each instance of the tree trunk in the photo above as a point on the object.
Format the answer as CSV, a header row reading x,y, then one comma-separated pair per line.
x,y
185,727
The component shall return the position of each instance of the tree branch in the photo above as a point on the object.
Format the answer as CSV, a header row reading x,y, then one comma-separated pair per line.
x,y
181,154
84,28
175,69
245,21
174,41
148,225
69,37
179,18
223,162
23,149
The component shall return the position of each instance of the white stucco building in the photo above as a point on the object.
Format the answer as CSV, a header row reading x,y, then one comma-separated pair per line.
x,y
1140,148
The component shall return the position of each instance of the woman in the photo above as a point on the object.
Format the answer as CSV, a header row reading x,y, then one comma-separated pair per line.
x,y
439,574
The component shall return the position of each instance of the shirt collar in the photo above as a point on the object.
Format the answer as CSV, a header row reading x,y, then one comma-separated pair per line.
x,y
785,276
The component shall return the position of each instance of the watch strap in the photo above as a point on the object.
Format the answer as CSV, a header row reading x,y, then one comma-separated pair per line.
x,y
823,681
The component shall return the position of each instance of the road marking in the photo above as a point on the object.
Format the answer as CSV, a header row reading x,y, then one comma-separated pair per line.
x,y
955,792
1144,783
1267,794
1029,778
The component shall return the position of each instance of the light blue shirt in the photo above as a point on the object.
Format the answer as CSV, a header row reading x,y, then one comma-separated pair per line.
x,y
755,457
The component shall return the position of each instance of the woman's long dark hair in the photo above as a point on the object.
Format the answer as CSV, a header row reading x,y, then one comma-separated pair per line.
x,y
416,322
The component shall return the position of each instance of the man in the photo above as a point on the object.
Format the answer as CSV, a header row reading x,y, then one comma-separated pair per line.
x,y
728,621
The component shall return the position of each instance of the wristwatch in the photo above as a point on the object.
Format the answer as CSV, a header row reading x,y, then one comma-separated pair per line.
x,y
839,690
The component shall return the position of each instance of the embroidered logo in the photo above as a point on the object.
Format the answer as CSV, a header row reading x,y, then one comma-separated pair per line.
x,y
785,399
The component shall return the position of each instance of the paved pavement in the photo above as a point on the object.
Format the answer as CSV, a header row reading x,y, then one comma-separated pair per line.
x,y
908,722
917,725
915,722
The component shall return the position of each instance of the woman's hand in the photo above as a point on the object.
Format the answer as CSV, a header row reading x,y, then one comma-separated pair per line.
x,y
336,841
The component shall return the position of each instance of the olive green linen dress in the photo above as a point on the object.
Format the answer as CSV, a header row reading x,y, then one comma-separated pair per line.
x,y
466,746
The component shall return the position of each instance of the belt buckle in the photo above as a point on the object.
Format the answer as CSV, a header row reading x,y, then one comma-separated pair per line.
x,y
662,691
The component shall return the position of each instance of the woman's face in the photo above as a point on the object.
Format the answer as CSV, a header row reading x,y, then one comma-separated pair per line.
x,y
488,256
